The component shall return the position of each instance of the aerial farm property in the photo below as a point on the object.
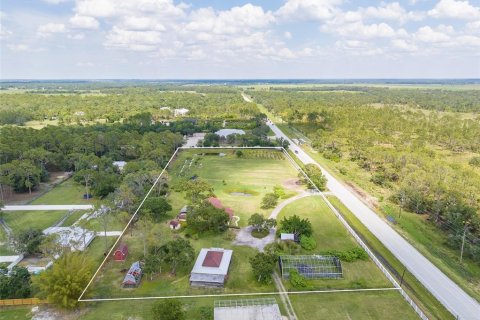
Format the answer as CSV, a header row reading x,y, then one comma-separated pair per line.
x,y
209,243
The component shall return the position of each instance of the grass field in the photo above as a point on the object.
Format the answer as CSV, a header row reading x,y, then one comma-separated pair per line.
x,y
330,234
15,313
431,306
253,174
352,305
65,193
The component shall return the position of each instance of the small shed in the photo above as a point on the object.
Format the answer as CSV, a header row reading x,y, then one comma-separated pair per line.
x,y
133,276
175,225
121,253
288,237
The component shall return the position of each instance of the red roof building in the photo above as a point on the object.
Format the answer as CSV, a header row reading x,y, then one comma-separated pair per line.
x,y
218,204
121,253
213,259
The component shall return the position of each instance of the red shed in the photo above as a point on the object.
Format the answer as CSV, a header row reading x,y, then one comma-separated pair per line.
x,y
121,253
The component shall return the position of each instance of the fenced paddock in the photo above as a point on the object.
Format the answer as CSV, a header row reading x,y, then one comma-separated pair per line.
x,y
311,266
247,309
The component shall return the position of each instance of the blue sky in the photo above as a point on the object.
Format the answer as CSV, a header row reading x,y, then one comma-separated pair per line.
x,y
167,39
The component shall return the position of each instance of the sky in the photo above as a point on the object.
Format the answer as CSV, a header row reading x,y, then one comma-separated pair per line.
x,y
220,39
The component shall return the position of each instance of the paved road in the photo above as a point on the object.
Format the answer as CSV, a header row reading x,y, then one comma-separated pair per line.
x,y
445,290
42,207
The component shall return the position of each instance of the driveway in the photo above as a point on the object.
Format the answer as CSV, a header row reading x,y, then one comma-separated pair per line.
x,y
245,238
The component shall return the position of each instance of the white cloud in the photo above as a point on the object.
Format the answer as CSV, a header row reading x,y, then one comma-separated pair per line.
x,y
404,45
162,9
360,30
309,9
83,22
18,47
427,34
287,35
48,29
391,11
455,9
142,23
133,40
236,20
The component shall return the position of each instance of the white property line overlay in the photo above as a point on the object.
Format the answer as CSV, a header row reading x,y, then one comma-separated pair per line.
x,y
361,242
241,294
141,204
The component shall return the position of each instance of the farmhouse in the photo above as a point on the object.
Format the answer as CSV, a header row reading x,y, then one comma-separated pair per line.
x,y
211,268
133,276
218,204
180,112
121,253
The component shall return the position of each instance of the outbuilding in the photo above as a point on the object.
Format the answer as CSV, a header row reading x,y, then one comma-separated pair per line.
x,y
133,276
211,268
121,253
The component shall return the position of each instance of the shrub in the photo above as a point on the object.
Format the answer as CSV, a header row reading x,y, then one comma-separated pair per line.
x,y
475,162
297,280
308,243
269,201
350,255
169,309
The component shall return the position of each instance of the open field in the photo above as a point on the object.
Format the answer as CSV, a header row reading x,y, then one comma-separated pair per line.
x,y
330,234
431,306
352,305
253,175
15,313
65,193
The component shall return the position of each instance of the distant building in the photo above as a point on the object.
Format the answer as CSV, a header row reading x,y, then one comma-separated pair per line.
x,y
218,204
133,276
121,253
180,112
120,165
182,214
211,268
226,132
75,238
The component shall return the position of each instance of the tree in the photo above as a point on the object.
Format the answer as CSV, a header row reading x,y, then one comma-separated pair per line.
x,y
260,224
168,309
85,176
178,252
16,284
296,225
51,247
239,153
63,283
263,265
158,206
316,175
197,190
207,218
269,201
28,241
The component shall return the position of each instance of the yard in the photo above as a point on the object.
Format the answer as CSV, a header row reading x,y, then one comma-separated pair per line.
x,y
330,234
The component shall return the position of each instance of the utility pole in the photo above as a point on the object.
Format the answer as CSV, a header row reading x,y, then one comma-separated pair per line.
x,y
463,242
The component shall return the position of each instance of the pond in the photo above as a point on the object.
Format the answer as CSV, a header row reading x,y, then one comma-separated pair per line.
x,y
243,194
227,132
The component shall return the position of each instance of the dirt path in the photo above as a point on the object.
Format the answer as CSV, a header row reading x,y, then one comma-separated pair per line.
x,y
284,297
282,205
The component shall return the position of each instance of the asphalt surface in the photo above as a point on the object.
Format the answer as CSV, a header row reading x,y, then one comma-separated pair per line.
x,y
456,300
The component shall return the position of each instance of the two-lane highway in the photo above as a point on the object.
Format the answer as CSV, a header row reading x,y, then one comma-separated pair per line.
x,y
459,303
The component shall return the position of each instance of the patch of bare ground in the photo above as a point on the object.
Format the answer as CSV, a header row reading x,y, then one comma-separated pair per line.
x,y
293,184
371,201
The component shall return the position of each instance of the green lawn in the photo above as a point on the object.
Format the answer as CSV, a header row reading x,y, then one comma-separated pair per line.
x,y
422,297
352,305
229,174
67,192
15,313
330,234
